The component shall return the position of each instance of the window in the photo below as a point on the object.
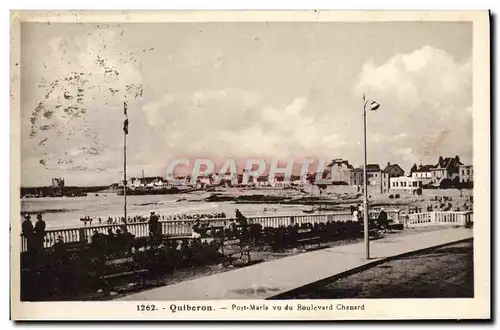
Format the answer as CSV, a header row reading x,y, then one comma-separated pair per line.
x,y
415,183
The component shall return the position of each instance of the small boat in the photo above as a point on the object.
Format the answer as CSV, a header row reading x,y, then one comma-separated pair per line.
x,y
312,210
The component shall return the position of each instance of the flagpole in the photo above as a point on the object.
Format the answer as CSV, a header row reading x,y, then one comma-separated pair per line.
x,y
125,129
125,177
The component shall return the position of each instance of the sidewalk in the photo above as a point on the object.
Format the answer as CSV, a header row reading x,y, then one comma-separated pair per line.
x,y
263,280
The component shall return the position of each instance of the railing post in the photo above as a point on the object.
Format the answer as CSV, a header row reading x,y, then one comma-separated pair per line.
x,y
463,219
82,234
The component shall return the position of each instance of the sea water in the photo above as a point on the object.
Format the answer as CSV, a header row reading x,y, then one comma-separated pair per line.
x,y
65,212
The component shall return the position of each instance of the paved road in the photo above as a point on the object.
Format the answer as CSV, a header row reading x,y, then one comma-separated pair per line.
x,y
268,279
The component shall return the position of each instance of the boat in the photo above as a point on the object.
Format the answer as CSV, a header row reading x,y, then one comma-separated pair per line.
x,y
312,210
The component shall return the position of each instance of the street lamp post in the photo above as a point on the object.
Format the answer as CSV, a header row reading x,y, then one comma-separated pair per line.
x,y
373,106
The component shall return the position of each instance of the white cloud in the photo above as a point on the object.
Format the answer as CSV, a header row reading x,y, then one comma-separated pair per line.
x,y
426,99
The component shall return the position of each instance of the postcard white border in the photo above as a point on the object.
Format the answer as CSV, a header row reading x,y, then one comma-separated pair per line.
x,y
376,309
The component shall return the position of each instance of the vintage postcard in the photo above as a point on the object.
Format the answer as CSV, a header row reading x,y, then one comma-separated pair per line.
x,y
239,165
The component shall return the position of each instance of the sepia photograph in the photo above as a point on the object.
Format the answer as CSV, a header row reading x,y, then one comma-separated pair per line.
x,y
193,166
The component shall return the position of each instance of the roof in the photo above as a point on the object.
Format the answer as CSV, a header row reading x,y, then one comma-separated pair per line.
x,y
424,168
340,162
391,167
446,162
372,168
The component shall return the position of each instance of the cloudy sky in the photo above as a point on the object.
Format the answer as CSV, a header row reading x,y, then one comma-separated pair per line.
x,y
239,90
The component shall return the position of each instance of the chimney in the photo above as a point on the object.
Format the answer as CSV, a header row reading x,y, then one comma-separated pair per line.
x,y
388,163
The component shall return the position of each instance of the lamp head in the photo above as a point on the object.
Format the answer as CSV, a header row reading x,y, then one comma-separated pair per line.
x,y
374,105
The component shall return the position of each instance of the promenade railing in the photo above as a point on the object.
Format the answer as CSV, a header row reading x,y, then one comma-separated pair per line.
x,y
448,218
183,227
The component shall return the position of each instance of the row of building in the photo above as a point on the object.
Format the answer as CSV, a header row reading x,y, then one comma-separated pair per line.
x,y
448,171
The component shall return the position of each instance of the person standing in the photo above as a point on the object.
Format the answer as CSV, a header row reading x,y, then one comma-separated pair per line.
x,y
243,223
355,215
382,219
153,225
196,229
27,231
39,232
361,213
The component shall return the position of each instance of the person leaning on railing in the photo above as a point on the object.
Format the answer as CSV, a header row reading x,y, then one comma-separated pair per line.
x,y
39,232
196,229
153,226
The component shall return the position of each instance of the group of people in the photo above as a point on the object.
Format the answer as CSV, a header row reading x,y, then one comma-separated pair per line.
x,y
140,219
358,215
34,235
240,222
213,215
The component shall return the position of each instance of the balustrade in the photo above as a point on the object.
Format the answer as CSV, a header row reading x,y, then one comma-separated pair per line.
x,y
184,227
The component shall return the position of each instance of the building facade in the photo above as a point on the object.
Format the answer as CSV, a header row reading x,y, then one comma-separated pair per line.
x,y
466,174
423,173
338,171
354,177
150,182
446,168
405,184
373,174
390,171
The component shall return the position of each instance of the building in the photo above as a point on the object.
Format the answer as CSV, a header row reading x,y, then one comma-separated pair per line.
x,y
179,181
445,169
373,174
278,181
204,181
355,177
466,174
405,183
263,181
338,171
423,173
390,171
149,182
225,179
251,181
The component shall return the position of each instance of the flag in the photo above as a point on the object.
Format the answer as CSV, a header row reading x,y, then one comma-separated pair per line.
x,y
125,123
